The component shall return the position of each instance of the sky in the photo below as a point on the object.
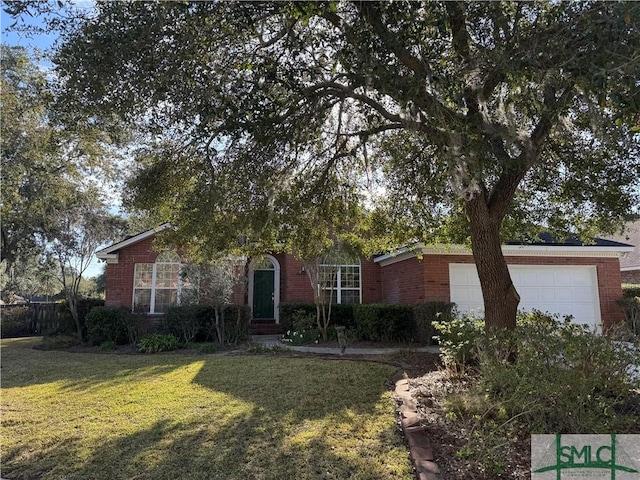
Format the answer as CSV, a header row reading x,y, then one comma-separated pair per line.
x,y
42,43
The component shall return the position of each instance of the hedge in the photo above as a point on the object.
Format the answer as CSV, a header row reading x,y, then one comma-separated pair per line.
x,y
112,324
65,319
341,314
378,322
384,322
630,290
197,323
16,322
425,314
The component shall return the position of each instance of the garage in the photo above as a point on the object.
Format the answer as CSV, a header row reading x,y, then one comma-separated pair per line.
x,y
566,290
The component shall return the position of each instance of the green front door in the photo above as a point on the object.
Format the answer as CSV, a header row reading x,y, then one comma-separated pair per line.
x,y
263,293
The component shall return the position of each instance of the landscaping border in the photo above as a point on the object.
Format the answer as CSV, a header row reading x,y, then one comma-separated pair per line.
x,y
419,443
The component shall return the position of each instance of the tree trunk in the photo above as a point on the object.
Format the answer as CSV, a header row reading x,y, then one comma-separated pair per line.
x,y
501,299
73,307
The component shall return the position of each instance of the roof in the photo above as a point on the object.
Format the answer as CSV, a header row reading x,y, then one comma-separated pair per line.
x,y
548,239
111,252
545,245
630,234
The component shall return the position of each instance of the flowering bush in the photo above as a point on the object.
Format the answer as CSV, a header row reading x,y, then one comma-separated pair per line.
x,y
302,337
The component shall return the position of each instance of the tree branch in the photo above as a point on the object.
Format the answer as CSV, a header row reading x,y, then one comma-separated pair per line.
x,y
437,136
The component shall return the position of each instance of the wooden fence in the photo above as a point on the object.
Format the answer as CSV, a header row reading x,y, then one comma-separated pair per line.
x,y
34,318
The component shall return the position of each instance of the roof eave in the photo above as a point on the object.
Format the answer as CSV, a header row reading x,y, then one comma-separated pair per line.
x,y
507,250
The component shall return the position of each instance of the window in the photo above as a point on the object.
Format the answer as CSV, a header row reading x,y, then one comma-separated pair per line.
x,y
341,283
157,286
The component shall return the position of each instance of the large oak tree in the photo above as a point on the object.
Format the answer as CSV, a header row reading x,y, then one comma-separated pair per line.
x,y
430,118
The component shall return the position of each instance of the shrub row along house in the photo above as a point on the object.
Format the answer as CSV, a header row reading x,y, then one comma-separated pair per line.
x,y
570,278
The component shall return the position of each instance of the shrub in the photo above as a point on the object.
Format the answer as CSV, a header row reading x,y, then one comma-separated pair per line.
x,y
341,314
631,309
110,324
108,346
557,376
187,321
159,342
383,322
198,323
57,341
425,314
303,329
16,322
630,290
237,322
290,310
66,323
458,338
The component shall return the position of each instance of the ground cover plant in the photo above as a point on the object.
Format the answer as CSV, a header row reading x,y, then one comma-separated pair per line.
x,y
171,415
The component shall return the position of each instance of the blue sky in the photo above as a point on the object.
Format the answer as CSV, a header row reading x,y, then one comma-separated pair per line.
x,y
43,42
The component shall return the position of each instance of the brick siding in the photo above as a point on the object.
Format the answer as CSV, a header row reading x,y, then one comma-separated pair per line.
x,y
415,281
410,281
631,276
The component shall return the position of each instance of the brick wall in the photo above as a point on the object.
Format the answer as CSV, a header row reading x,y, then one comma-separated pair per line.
x,y
296,287
119,288
119,291
414,281
631,276
410,281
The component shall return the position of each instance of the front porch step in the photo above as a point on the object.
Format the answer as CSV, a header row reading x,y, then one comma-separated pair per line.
x,y
265,327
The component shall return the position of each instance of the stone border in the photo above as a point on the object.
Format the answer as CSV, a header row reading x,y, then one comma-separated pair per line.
x,y
415,434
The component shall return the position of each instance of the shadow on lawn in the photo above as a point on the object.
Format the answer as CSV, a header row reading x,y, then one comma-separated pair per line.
x,y
23,366
241,450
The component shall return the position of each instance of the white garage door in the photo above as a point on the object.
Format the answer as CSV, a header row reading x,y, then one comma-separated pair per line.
x,y
566,290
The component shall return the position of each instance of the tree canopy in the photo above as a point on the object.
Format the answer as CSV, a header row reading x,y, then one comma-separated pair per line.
x,y
53,212
429,120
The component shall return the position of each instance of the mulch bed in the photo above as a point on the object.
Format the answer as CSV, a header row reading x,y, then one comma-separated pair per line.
x,y
450,435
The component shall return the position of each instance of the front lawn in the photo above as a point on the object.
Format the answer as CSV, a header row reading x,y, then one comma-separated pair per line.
x,y
92,416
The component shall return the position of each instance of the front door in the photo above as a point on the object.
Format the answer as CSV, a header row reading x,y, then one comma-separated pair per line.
x,y
263,293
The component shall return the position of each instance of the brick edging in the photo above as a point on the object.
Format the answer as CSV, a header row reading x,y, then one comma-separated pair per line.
x,y
415,434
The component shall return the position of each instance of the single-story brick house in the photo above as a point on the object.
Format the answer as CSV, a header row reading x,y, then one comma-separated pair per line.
x,y
583,280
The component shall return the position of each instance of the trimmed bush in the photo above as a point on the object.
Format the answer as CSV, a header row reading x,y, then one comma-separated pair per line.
x,y
198,323
383,322
237,322
630,290
303,328
158,342
289,311
16,322
425,314
66,323
187,322
341,314
111,324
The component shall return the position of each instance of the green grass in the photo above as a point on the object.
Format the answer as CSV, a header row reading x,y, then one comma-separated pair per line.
x,y
94,416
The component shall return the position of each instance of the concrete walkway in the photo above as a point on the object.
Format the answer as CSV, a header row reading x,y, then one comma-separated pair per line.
x,y
274,341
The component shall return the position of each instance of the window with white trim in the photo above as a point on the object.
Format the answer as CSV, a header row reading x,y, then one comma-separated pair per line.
x,y
157,286
341,283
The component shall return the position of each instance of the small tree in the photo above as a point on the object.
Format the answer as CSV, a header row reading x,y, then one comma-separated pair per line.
x,y
323,273
80,229
212,283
